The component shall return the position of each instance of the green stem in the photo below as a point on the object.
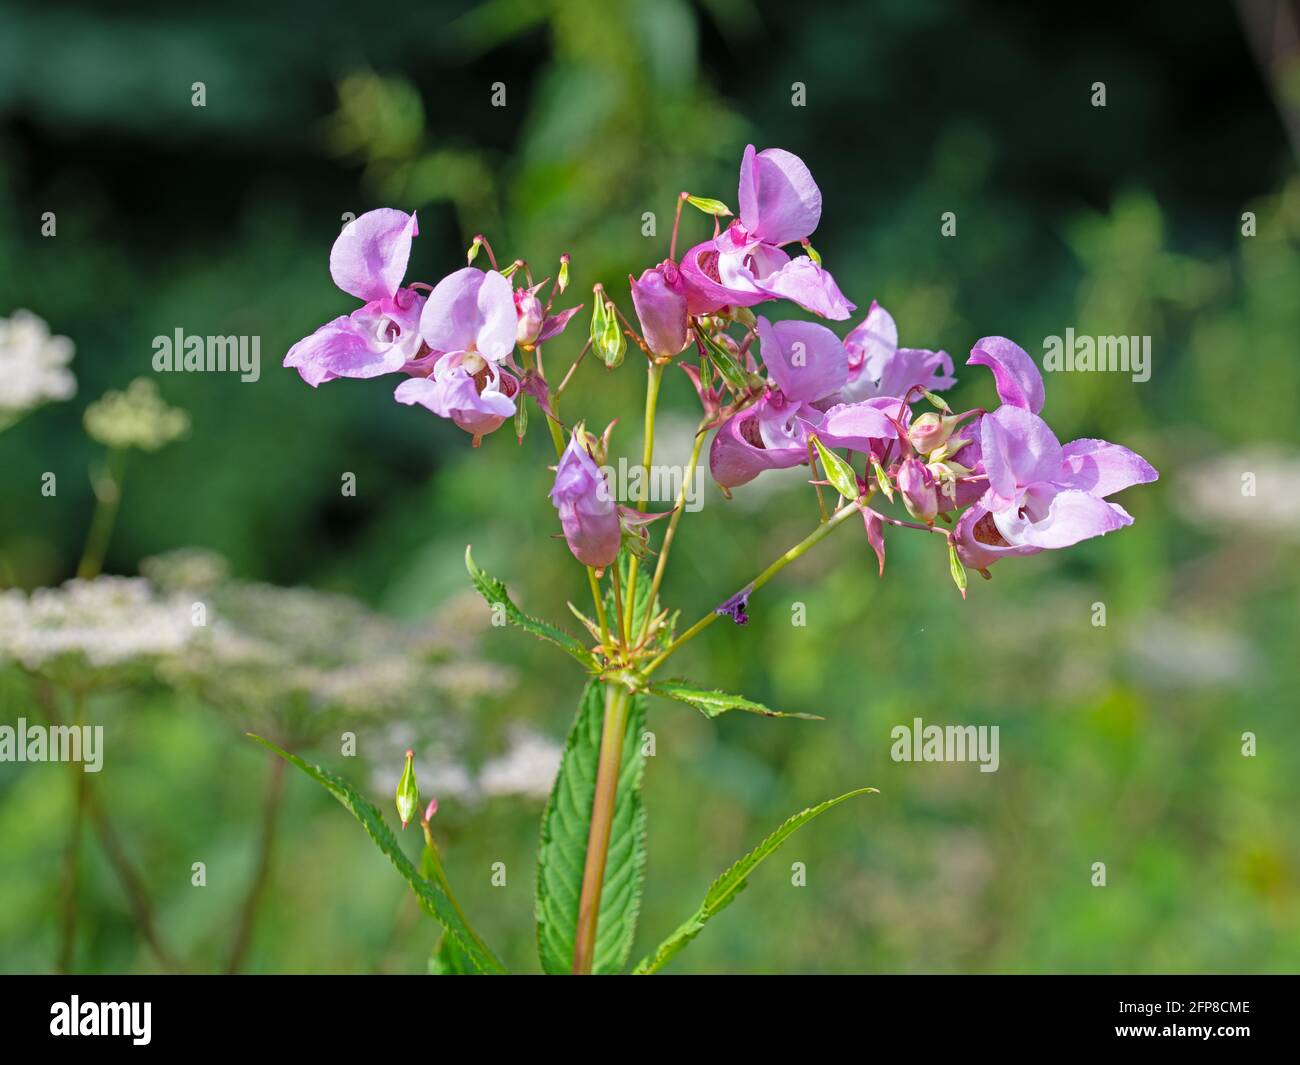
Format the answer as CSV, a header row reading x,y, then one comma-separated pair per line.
x,y
654,375
72,855
600,610
435,861
622,635
108,495
262,872
807,543
617,700
688,475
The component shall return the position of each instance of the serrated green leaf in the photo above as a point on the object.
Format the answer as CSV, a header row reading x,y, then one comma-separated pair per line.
x,y
838,472
713,703
726,887
714,207
725,363
563,851
495,593
432,898
450,960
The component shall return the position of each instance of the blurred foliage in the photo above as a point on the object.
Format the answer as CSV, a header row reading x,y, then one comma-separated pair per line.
x,y
1119,744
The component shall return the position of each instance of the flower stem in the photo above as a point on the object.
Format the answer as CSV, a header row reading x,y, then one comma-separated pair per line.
x,y
262,872
72,855
677,221
808,542
622,635
812,468
435,861
602,818
108,494
654,375
688,475
600,610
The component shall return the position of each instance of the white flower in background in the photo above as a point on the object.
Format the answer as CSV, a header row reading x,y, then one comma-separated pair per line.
x,y
136,418
528,768
1250,491
33,366
1191,652
108,621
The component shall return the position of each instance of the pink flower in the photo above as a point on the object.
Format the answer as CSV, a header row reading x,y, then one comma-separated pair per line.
x,y
879,367
1040,495
588,513
368,261
779,204
470,324
659,296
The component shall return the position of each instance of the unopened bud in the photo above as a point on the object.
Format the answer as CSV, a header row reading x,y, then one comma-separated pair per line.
x,y
431,809
931,431
562,281
408,792
916,486
472,254
530,312
659,296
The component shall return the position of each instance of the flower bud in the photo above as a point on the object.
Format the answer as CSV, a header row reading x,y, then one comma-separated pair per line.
x,y
931,431
562,280
408,792
431,809
659,296
530,312
588,513
916,485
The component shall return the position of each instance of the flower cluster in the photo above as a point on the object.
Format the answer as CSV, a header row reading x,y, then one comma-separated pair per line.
x,y
135,418
33,365
789,392
456,345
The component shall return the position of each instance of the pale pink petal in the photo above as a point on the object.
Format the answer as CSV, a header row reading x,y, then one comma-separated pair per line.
x,y
779,200
369,257
1015,375
1101,468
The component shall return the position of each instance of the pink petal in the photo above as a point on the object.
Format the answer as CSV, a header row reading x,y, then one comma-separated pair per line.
x,y
875,535
779,200
735,458
805,360
857,425
470,310
1101,468
1055,519
369,257
804,282
1019,449
873,341
1018,381
344,347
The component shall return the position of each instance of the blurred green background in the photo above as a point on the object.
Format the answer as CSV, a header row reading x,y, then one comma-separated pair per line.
x,y
1120,744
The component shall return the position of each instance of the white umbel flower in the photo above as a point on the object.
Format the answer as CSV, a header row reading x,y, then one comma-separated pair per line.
x,y
108,621
33,366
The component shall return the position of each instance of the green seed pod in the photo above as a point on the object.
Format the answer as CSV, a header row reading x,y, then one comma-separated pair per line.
x,y
408,792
